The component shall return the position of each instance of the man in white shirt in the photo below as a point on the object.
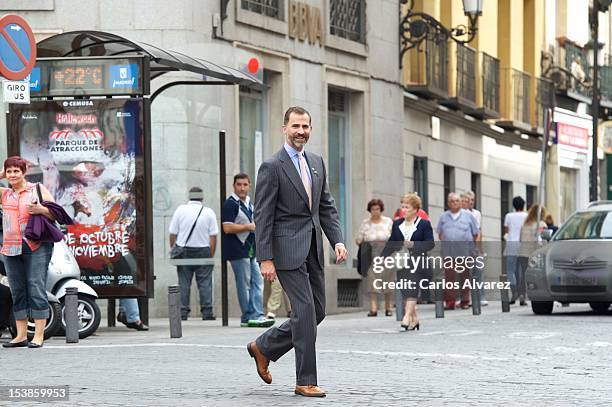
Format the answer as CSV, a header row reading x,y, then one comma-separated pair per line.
x,y
194,228
512,230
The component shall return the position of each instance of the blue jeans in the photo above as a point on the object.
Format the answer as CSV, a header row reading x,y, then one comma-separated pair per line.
x,y
249,285
27,274
130,307
203,275
513,273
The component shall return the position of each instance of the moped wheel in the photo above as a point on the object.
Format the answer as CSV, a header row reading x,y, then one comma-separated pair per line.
x,y
53,322
89,316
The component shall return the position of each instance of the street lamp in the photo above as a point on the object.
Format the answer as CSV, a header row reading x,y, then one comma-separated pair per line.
x,y
416,26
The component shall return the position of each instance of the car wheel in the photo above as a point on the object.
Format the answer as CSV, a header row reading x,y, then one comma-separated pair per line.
x,y
89,316
600,307
52,325
542,307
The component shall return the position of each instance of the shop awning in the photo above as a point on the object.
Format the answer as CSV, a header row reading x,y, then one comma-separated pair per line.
x,y
100,44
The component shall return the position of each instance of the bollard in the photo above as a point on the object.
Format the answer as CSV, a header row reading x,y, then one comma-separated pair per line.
x,y
399,306
475,293
439,298
174,311
71,314
505,298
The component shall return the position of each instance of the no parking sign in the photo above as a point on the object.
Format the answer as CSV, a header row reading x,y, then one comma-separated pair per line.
x,y
17,48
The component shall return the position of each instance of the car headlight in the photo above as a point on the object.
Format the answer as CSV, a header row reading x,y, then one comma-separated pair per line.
x,y
536,261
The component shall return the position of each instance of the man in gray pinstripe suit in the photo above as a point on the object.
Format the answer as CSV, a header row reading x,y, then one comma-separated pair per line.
x,y
293,207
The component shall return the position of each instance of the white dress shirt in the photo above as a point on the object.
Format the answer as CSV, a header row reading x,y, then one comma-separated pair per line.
x,y
183,219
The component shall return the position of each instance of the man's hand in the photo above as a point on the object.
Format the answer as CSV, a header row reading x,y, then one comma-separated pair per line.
x,y
268,271
251,227
341,253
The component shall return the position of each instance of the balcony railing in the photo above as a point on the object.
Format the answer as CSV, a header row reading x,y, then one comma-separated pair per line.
x,y
437,65
490,83
521,83
429,71
576,62
605,85
545,98
466,73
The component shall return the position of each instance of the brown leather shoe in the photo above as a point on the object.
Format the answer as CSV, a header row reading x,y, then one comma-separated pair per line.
x,y
309,391
261,362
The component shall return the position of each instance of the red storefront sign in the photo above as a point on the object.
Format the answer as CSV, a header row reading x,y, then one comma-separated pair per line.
x,y
572,136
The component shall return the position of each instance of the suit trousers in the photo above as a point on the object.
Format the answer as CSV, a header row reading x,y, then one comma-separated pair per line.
x,y
305,287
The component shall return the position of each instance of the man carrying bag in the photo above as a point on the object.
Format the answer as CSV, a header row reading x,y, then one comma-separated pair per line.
x,y
193,235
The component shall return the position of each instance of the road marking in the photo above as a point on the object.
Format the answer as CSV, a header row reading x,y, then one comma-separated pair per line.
x,y
600,344
429,355
534,335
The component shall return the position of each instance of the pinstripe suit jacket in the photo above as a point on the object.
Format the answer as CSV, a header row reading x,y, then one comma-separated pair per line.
x,y
284,222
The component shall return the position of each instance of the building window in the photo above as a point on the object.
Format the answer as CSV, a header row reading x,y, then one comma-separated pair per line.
x,y
476,189
449,183
532,195
251,130
420,180
505,200
347,19
338,164
268,8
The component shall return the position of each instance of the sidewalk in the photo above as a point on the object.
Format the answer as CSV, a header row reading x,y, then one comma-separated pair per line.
x,y
496,358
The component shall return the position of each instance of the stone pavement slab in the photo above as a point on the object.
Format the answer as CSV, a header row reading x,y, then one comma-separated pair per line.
x,y
496,358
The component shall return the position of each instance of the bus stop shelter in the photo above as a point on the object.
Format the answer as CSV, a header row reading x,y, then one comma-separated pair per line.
x,y
92,72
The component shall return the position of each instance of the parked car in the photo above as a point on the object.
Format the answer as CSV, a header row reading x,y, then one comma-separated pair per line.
x,y
576,265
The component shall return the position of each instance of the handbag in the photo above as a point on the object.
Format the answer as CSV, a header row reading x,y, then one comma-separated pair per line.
x,y
178,252
364,258
40,228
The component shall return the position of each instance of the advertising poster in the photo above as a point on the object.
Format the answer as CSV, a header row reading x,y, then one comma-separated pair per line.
x,y
89,154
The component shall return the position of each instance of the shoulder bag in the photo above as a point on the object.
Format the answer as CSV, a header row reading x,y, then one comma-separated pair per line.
x,y
178,252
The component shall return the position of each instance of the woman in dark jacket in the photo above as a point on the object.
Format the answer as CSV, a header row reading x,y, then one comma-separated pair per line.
x,y
415,235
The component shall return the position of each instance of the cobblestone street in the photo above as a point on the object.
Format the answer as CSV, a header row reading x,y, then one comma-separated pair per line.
x,y
511,359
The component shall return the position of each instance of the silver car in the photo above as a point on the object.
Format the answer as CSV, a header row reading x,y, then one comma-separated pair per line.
x,y
576,265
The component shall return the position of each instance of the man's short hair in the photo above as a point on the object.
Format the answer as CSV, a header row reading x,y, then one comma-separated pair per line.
x,y
470,194
518,203
452,195
297,110
196,194
241,175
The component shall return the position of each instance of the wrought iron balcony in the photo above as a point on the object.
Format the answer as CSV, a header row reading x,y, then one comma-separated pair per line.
x,y
429,71
489,89
516,103
465,81
605,85
490,83
521,83
576,61
545,98
567,66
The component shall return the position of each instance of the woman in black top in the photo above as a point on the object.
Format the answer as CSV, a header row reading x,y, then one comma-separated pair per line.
x,y
415,235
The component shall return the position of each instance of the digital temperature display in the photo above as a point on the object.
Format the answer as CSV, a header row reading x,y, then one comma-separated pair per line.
x,y
89,76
